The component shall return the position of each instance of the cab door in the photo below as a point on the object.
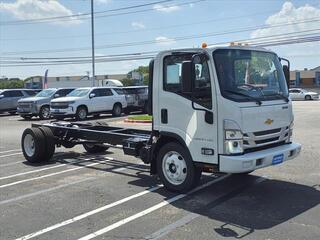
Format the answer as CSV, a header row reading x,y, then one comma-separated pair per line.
x,y
189,115
15,95
5,101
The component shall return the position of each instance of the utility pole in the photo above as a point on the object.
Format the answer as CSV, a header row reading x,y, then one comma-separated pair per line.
x,y
92,42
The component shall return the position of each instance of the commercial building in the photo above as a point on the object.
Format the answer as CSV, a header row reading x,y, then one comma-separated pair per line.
x,y
37,82
305,78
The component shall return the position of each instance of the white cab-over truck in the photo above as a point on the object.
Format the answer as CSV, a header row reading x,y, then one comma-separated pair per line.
x,y
222,109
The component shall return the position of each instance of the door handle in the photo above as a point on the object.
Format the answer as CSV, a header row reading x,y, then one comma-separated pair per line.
x,y
164,116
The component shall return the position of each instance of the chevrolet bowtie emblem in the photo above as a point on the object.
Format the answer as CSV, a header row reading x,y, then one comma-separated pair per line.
x,y
268,121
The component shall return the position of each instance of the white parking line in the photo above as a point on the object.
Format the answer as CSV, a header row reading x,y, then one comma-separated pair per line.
x,y
13,150
13,154
85,215
43,169
185,220
51,174
43,191
149,210
9,164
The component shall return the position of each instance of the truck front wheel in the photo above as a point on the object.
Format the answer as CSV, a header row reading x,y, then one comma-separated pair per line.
x,y
176,169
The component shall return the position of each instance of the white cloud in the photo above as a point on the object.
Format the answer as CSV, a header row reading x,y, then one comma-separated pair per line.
x,y
290,14
103,1
138,25
166,8
34,9
164,40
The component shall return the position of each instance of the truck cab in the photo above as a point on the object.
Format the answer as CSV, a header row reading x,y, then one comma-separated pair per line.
x,y
224,108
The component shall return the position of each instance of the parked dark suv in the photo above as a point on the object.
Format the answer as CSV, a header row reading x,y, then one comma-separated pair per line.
x,y
39,105
9,98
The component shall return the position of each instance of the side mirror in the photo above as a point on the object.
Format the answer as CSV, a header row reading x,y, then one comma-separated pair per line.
x,y
56,95
286,71
92,95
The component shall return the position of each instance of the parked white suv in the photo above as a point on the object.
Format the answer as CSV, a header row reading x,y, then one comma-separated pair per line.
x,y
88,101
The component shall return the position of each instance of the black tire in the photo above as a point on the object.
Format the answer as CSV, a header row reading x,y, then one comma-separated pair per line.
x,y
193,174
81,114
26,117
44,113
117,110
308,97
37,153
92,148
50,143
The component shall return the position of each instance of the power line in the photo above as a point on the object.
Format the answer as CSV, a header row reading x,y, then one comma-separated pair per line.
x,y
179,38
115,14
286,41
35,20
140,30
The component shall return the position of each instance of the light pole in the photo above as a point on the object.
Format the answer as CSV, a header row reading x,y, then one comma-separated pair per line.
x,y
92,42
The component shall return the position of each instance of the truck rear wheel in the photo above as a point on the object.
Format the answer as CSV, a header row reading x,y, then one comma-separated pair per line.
x,y
93,148
176,169
33,145
50,143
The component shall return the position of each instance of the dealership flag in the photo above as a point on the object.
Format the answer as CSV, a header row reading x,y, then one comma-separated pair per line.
x,y
45,83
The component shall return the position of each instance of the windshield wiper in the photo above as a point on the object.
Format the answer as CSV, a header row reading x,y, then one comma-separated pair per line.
x,y
245,95
279,95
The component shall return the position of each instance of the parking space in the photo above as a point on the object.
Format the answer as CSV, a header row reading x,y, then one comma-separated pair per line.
x,y
113,196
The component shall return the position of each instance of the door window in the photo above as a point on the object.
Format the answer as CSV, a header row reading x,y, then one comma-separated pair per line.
x,y
104,92
16,94
172,81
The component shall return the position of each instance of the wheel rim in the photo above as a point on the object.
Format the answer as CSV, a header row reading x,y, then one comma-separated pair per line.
x,y
174,168
29,145
117,110
45,112
82,114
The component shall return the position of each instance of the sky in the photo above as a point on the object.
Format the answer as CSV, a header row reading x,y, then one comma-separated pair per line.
x,y
160,26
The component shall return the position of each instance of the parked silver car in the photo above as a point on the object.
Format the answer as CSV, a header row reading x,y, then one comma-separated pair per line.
x,y
39,105
9,98
302,94
137,98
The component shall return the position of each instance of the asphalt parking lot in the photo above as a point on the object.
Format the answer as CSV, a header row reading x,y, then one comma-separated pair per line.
x,y
112,196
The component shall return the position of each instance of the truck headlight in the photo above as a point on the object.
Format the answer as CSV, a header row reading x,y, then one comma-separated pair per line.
x,y
290,132
71,102
233,139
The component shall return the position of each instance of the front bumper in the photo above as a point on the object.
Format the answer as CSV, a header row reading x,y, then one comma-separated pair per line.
x,y
255,160
62,111
28,110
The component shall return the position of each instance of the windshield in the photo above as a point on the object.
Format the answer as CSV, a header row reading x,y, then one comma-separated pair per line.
x,y
46,93
78,92
246,75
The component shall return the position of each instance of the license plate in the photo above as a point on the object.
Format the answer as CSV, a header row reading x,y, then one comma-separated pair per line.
x,y
277,159
56,110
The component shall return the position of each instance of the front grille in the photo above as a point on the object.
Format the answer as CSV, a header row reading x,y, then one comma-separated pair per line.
x,y
260,139
267,132
59,107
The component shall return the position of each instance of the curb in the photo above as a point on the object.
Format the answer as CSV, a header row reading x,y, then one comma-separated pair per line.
x,y
137,121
